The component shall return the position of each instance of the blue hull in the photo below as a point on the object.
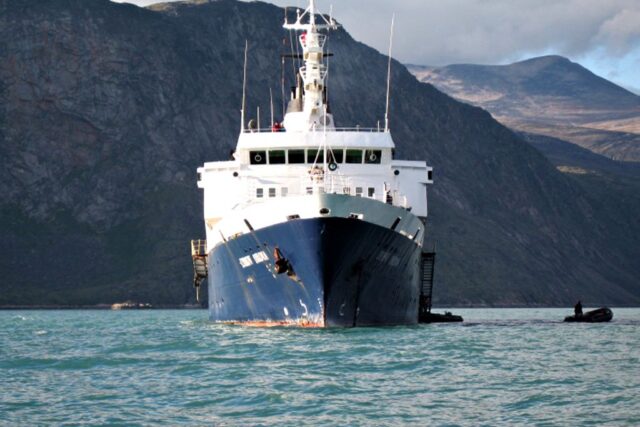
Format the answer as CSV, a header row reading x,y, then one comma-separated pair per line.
x,y
344,272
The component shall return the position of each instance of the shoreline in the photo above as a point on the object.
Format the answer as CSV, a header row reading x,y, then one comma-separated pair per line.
x,y
197,307
100,307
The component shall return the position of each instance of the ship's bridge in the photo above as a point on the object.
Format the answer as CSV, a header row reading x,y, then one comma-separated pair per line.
x,y
342,146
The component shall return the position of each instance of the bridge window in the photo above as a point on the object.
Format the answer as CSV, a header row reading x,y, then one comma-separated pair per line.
x,y
354,156
372,156
258,157
296,156
335,156
276,157
315,156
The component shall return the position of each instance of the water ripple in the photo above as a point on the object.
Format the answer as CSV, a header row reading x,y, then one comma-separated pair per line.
x,y
500,367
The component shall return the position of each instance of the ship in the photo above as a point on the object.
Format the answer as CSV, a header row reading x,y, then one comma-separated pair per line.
x,y
311,224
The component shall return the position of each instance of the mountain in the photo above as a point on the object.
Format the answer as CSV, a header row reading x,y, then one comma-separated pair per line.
x,y
106,111
551,96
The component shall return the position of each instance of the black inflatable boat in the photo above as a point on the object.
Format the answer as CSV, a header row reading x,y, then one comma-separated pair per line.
x,y
603,314
439,318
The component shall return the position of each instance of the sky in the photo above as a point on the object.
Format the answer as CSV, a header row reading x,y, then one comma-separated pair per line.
x,y
602,35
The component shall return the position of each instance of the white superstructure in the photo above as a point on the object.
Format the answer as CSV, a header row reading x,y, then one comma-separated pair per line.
x,y
309,168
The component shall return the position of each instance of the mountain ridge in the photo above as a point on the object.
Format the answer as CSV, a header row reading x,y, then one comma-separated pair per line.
x,y
551,96
109,109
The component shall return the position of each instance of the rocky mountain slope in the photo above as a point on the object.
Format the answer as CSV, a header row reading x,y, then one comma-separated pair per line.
x,y
550,96
106,111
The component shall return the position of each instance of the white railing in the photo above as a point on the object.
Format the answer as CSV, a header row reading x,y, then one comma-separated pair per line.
x,y
306,38
321,129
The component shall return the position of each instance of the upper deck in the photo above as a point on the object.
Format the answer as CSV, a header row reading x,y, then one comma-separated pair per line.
x,y
336,137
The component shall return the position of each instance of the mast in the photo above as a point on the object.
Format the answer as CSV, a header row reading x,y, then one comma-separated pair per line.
x,y
244,86
386,110
307,107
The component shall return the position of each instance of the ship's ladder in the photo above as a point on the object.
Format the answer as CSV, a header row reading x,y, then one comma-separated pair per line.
x,y
427,267
200,269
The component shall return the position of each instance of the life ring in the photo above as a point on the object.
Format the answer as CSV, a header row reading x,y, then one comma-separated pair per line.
x,y
333,166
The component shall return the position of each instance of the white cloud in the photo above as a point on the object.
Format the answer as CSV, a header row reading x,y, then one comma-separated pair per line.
x,y
622,32
494,31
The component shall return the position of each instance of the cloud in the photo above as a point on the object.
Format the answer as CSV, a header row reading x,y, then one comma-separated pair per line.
x,y
622,32
494,31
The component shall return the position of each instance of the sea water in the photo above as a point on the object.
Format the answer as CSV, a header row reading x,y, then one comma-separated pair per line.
x,y
163,367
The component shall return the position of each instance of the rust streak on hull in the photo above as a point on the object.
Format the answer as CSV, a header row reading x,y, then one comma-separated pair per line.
x,y
300,323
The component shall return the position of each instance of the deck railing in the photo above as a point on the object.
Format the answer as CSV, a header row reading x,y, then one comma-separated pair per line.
x,y
198,248
319,130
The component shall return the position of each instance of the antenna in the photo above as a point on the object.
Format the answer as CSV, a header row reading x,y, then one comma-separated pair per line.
x,y
312,12
326,85
282,87
244,86
271,102
386,112
284,43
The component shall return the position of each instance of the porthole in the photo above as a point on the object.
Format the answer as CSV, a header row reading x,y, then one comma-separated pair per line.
x,y
235,174
324,211
396,172
372,156
258,157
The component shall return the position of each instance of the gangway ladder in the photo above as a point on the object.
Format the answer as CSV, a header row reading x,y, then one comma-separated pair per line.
x,y
427,266
200,269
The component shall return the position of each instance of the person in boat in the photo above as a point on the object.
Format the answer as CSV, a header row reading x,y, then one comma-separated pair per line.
x,y
577,310
277,127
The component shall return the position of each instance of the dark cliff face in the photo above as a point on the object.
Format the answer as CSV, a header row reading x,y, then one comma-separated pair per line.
x,y
108,109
